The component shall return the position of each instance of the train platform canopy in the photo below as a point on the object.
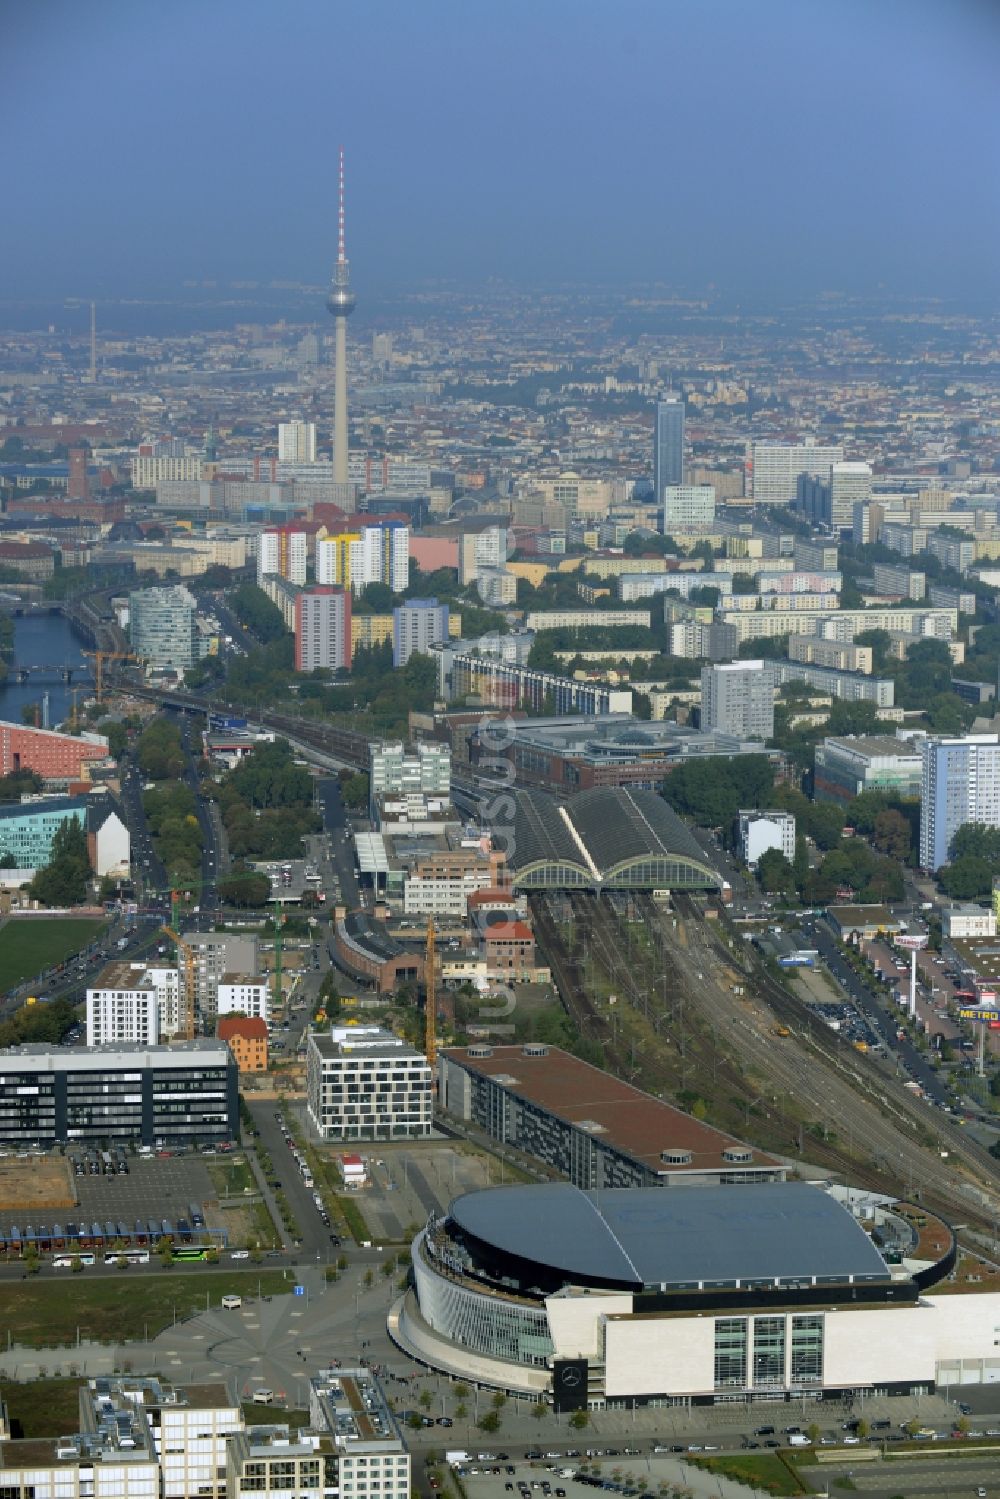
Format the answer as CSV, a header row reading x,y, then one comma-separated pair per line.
x,y
611,838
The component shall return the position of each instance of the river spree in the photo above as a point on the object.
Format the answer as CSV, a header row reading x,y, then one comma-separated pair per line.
x,y
44,640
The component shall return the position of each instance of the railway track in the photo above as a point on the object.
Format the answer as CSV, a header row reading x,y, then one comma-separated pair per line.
x,y
902,1138
867,1128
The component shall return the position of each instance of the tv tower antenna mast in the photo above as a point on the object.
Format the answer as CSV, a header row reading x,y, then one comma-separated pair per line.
x,y
93,342
340,305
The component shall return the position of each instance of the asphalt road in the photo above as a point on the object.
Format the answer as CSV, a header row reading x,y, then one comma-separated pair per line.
x,y
313,1232
337,824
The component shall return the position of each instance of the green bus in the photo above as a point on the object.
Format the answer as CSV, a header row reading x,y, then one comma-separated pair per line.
x,y
192,1252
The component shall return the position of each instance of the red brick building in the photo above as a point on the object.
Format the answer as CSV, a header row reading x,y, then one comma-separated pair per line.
x,y
55,757
246,1037
509,947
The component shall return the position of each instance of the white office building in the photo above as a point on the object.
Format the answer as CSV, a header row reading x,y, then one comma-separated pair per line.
x,y
364,1083
959,783
776,467
296,442
737,697
760,831
687,505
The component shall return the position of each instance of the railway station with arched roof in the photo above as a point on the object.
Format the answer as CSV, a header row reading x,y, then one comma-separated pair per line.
x,y
606,839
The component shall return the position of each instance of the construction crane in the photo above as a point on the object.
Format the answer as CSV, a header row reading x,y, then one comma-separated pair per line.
x,y
186,952
430,1000
99,658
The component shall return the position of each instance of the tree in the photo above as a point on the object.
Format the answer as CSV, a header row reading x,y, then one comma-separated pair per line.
x,y
499,1400
976,840
244,887
880,642
824,823
354,789
892,834
966,879
539,1410
64,880
490,1421
425,1400
579,1419
775,872
116,734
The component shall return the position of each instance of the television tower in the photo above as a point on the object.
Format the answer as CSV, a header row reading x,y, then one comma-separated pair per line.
x,y
93,343
340,305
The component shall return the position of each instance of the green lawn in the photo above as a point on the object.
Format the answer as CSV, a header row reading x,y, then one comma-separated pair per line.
x,y
42,1408
46,1311
29,944
761,1470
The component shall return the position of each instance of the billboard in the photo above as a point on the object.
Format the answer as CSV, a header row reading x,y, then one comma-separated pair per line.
x,y
569,1384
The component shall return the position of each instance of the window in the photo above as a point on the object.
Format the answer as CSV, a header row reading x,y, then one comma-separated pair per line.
x,y
807,1350
730,1351
768,1350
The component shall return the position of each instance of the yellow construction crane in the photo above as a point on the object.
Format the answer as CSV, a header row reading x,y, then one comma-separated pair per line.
x,y
99,658
186,952
430,1002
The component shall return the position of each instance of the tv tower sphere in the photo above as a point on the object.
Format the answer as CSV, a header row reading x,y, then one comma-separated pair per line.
x,y
340,304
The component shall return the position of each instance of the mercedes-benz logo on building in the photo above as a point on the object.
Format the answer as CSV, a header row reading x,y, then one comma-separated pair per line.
x,y
570,1377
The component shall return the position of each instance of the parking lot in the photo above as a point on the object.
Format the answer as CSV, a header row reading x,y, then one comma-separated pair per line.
x,y
153,1188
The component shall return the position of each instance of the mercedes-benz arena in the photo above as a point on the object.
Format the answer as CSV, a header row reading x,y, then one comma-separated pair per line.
x,y
700,1295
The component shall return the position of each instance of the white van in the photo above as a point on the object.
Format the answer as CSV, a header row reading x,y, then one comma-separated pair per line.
x,y
232,1303
263,1397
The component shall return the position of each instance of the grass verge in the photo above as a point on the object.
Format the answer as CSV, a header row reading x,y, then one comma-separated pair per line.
x,y
27,945
767,1471
47,1312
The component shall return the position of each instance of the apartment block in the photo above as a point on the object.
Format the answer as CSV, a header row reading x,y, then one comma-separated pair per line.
x,y
960,783
764,830
122,1007
243,994
283,551
416,627
835,654
581,619
501,684
737,698
213,955
903,582
776,467
323,629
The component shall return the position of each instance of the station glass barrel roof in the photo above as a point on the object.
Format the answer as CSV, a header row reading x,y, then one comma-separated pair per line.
x,y
609,838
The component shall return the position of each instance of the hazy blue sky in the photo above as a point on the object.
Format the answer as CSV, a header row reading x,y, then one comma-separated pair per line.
x,y
756,144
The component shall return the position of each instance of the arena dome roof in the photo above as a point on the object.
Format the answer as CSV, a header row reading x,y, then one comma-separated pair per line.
x,y
656,1237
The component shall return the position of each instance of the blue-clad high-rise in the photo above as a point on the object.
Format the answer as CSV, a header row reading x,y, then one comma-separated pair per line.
x,y
668,445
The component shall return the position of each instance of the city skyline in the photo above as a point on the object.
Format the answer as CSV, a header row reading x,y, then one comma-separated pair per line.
x,y
814,150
